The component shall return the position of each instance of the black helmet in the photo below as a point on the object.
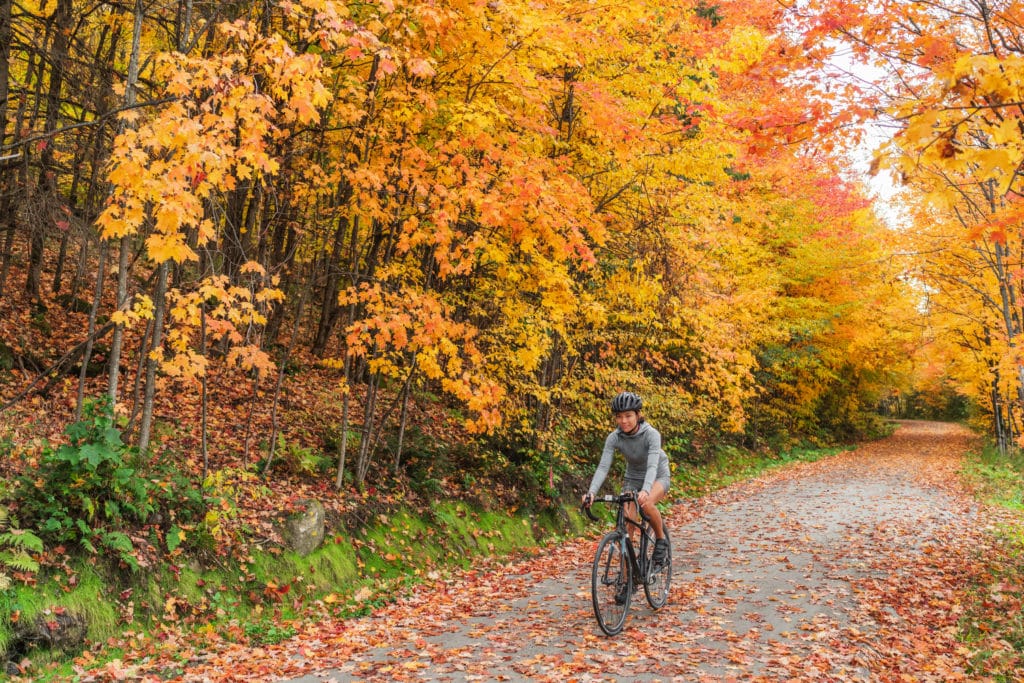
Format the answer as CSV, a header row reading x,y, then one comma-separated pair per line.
x,y
627,400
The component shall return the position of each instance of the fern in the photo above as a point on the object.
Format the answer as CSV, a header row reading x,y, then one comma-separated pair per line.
x,y
21,539
116,540
15,546
20,562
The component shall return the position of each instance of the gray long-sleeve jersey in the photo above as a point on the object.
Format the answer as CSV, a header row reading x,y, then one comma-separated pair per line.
x,y
645,460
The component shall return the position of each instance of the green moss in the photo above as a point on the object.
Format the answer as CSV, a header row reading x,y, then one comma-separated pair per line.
x,y
88,599
503,534
330,566
398,543
460,529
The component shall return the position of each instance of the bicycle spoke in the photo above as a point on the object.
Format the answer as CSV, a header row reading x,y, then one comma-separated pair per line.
x,y
611,584
658,580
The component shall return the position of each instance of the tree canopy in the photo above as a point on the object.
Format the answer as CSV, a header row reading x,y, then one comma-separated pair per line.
x,y
518,209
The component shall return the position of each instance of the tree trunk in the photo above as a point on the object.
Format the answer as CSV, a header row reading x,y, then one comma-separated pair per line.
x,y
339,481
97,299
62,256
282,366
235,244
366,438
17,185
6,170
47,184
403,419
5,66
329,307
203,396
125,246
160,305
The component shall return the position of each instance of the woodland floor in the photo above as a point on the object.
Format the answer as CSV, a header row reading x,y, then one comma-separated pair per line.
x,y
853,568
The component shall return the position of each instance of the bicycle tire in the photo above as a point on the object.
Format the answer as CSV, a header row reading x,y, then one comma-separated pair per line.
x,y
612,570
658,581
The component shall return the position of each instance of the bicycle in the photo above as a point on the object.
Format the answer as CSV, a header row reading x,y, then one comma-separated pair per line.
x,y
617,562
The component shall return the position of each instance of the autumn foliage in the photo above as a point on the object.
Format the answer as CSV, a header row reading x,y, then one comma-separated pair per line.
x,y
944,81
407,247
515,208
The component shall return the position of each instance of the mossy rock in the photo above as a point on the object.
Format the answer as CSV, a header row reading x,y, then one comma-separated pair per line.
x,y
56,628
303,530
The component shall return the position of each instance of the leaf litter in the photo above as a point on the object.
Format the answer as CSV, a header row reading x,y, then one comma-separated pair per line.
x,y
852,568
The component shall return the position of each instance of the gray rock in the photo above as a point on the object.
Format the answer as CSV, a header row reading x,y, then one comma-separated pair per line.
x,y
303,530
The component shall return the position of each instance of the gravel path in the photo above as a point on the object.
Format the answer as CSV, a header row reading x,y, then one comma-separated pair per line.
x,y
840,570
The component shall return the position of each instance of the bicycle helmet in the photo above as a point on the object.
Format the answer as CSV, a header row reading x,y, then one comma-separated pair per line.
x,y
627,400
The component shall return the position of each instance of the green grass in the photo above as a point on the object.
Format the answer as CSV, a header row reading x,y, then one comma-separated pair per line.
x,y
998,477
993,621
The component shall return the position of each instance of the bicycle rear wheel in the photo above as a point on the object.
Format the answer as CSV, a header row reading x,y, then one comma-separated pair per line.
x,y
659,579
612,583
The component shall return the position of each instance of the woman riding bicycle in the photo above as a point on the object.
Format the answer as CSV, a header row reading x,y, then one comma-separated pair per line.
x,y
647,470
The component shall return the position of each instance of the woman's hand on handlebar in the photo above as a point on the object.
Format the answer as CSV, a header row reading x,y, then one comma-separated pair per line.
x,y
587,500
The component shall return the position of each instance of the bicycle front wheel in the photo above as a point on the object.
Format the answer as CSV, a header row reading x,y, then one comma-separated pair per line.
x,y
659,578
612,583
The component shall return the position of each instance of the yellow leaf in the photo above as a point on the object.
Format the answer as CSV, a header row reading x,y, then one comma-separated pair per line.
x,y
252,267
161,248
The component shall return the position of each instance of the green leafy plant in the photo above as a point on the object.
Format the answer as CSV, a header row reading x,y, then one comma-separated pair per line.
x,y
268,633
298,459
87,490
15,546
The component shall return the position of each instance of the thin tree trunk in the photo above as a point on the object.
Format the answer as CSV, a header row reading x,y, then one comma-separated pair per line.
x,y
406,392
329,306
339,481
345,405
6,187
160,305
140,373
366,437
280,381
125,246
80,267
5,66
249,417
96,301
19,185
203,395
8,248
116,344
62,255
184,26
47,170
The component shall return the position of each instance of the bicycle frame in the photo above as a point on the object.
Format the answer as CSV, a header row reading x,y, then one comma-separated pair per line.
x,y
625,524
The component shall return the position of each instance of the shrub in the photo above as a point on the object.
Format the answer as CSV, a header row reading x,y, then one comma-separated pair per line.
x,y
87,490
